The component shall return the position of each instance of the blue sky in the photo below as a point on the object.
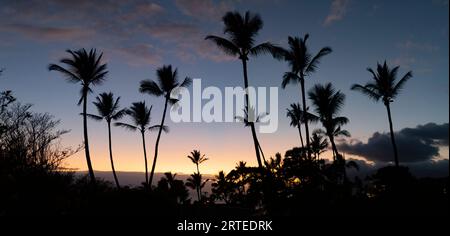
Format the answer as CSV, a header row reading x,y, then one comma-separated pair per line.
x,y
139,36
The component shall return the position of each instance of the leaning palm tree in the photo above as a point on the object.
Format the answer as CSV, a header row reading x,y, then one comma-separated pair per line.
x,y
386,88
141,117
87,69
302,64
241,31
328,103
197,158
298,117
167,82
108,109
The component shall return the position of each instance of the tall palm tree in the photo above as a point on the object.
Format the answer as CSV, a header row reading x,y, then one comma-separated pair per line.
x,y
141,117
195,182
108,109
197,158
302,64
298,117
385,87
167,82
318,143
241,31
328,103
87,69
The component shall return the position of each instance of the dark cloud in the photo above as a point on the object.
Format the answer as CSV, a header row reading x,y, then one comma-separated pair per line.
x,y
435,169
414,144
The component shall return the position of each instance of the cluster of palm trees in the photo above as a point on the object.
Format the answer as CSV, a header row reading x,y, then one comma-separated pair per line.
x,y
87,69
241,30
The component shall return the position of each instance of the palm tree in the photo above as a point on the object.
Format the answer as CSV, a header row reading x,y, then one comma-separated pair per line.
x,y
85,68
386,88
318,143
108,109
174,187
167,82
298,117
223,187
328,102
141,117
302,64
241,31
197,158
195,182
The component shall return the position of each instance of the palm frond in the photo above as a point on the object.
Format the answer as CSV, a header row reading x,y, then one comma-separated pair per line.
x,y
126,126
289,77
312,66
399,86
224,44
366,91
165,128
150,87
94,117
70,77
267,48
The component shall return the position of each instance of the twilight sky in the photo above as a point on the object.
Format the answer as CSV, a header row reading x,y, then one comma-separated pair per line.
x,y
138,36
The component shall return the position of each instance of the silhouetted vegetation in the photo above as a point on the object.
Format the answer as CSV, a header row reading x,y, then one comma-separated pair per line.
x,y
34,181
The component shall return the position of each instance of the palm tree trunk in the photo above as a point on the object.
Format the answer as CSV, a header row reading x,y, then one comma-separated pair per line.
x,y
111,156
302,83
394,145
262,153
198,170
333,146
252,124
157,140
145,156
86,140
300,133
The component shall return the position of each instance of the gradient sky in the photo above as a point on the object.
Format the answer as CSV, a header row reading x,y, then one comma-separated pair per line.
x,y
138,36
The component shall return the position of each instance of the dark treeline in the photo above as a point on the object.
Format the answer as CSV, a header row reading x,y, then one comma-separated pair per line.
x,y
298,182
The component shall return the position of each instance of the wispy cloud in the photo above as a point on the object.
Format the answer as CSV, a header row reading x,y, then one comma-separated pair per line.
x,y
411,45
203,8
187,41
139,54
48,33
337,12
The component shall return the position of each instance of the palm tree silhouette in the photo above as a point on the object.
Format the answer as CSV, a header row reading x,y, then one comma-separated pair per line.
x,y
302,64
384,87
141,117
167,82
298,117
108,109
318,143
176,188
195,182
197,158
85,68
241,31
328,102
